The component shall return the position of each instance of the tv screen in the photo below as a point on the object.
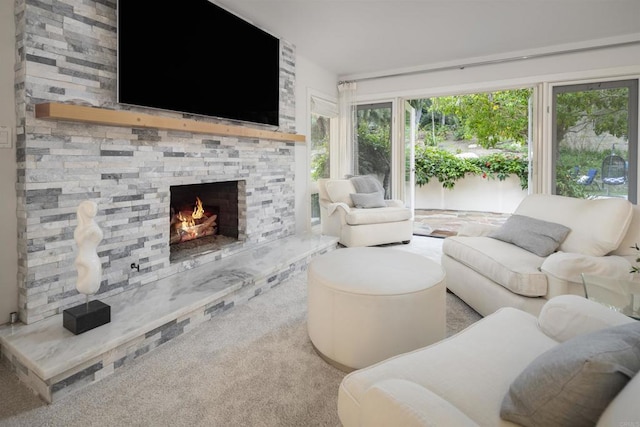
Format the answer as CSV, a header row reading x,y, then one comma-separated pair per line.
x,y
193,56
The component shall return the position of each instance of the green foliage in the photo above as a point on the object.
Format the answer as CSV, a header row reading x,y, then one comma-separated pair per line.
x,y
605,110
501,165
573,163
432,162
374,143
319,147
447,168
489,117
567,184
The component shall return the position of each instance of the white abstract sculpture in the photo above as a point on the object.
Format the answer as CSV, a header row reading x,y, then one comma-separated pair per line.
x,y
87,236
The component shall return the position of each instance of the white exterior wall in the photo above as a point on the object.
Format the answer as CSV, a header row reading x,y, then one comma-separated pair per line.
x,y
473,193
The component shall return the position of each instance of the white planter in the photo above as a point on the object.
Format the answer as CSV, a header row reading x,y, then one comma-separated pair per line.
x,y
473,193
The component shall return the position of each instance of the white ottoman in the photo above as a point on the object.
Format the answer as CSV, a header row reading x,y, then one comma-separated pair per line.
x,y
366,304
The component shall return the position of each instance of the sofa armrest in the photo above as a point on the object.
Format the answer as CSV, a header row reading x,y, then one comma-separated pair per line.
x,y
569,266
405,403
567,316
339,206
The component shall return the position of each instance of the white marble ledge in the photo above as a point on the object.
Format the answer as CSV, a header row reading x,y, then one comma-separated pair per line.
x,y
48,349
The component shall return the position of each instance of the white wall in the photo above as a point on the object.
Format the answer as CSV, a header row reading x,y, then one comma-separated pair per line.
x,y
473,193
309,78
8,227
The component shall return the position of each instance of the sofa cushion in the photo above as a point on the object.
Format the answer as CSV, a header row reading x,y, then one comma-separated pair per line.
x,y
368,200
597,225
340,190
572,383
516,269
535,235
376,216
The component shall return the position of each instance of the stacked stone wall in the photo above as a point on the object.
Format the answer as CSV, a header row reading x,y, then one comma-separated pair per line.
x,y
66,52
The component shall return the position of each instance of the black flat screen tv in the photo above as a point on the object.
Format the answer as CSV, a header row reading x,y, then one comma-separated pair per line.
x,y
192,56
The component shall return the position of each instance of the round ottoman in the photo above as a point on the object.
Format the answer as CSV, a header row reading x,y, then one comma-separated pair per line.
x,y
366,304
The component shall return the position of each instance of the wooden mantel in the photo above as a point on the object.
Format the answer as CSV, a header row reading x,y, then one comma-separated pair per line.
x,y
102,116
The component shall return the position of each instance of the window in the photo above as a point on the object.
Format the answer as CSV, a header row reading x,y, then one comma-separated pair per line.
x,y
595,139
322,135
372,148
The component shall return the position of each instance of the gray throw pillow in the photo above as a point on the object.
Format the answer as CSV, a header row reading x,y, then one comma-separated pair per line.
x,y
368,200
534,235
366,184
572,383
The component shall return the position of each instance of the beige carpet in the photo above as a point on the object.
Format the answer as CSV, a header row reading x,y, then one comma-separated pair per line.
x,y
252,366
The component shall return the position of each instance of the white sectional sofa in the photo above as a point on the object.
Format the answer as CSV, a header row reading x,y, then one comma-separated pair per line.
x,y
373,222
464,379
488,273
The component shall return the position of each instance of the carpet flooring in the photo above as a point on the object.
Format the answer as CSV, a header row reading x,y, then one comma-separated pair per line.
x,y
251,366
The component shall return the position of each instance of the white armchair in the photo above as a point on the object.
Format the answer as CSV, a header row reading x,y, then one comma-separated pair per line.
x,y
388,222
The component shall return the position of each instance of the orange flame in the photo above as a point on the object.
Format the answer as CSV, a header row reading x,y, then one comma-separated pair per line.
x,y
198,210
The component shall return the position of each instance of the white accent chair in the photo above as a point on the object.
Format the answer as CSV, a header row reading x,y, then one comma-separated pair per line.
x,y
361,226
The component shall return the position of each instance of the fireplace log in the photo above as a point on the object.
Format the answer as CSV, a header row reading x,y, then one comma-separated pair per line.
x,y
206,227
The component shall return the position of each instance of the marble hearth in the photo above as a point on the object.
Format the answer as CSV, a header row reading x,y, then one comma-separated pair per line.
x,y
54,363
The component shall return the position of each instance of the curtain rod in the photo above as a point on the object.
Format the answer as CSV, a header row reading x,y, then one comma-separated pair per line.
x,y
492,62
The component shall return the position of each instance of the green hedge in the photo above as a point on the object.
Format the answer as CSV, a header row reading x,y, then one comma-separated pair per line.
x,y
447,168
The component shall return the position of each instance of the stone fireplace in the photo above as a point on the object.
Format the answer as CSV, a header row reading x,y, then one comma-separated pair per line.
x,y
206,217
128,171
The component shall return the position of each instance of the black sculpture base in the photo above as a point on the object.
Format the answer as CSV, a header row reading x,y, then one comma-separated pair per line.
x,y
85,317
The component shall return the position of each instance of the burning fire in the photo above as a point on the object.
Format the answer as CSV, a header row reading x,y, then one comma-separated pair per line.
x,y
198,211
189,225
189,221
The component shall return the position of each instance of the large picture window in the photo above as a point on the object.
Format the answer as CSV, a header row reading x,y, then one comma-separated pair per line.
x,y
595,139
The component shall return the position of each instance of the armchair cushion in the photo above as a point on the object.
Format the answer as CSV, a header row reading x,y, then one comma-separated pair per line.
x,y
368,200
572,383
535,235
377,216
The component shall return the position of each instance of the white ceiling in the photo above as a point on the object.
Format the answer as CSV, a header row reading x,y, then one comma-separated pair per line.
x,y
369,37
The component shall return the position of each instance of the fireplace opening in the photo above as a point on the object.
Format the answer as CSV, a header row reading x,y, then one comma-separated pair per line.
x,y
204,217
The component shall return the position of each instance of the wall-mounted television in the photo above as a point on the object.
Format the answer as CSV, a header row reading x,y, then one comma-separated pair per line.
x,y
192,56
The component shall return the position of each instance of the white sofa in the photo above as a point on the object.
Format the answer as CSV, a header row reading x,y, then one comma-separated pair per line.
x,y
356,226
462,380
488,273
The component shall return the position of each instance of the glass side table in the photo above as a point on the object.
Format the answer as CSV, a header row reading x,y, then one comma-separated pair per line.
x,y
620,295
